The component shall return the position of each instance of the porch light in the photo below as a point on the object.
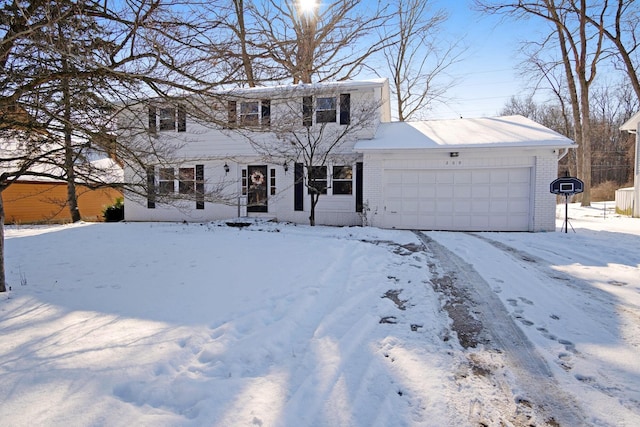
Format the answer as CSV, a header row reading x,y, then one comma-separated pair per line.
x,y
454,154
226,168
285,166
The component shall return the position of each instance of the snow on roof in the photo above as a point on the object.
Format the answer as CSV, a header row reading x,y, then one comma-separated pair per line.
x,y
507,131
311,87
631,125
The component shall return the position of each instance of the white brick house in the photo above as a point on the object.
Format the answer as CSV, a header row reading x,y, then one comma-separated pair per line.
x,y
482,174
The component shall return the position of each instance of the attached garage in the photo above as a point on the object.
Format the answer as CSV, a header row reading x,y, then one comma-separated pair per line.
x,y
489,174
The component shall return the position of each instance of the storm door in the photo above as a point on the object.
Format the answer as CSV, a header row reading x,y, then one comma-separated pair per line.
x,y
257,189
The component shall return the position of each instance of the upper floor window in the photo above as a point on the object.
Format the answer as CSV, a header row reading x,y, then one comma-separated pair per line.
x,y
251,113
327,109
167,118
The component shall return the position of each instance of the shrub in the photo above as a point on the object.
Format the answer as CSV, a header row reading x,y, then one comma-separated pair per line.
x,y
604,192
115,212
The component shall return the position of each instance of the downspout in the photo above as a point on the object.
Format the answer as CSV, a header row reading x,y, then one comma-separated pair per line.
x,y
563,153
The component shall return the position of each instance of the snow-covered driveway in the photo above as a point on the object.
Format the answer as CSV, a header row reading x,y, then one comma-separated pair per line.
x,y
576,297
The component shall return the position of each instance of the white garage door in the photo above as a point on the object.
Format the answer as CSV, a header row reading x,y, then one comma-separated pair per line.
x,y
470,200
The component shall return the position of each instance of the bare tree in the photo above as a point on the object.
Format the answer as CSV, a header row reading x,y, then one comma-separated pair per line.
x,y
283,40
580,51
69,68
418,57
619,24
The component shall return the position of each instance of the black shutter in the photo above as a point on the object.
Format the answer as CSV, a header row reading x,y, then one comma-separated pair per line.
x,y
307,111
298,187
151,188
266,112
231,112
199,186
182,119
359,204
152,118
345,109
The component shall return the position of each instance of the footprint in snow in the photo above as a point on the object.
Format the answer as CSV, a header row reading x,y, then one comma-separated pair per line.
x,y
526,301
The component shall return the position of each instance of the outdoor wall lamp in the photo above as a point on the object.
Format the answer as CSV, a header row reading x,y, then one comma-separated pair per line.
x,y
285,166
454,154
226,168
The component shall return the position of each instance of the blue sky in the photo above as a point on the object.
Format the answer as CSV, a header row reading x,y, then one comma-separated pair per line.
x,y
488,70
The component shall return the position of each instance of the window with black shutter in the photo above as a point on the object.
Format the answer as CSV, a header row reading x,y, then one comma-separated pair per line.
x,y
298,187
345,109
151,187
307,111
266,113
182,119
199,186
152,118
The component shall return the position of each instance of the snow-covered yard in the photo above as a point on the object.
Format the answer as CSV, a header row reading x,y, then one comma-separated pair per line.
x,y
282,325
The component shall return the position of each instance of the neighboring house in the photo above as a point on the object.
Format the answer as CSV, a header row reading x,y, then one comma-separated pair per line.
x,y
464,174
633,126
43,200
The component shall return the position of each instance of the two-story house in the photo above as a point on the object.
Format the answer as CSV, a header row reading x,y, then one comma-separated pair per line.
x,y
261,152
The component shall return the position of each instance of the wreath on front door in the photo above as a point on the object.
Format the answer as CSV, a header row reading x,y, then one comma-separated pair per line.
x,y
257,177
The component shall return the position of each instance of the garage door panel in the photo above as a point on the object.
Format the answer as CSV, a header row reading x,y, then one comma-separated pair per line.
x,y
480,206
519,206
499,176
427,177
519,175
445,177
410,191
462,191
481,177
427,191
463,177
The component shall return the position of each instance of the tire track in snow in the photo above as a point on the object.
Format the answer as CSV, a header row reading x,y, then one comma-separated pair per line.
x,y
527,379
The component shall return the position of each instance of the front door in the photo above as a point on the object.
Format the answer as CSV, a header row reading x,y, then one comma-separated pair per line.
x,y
257,189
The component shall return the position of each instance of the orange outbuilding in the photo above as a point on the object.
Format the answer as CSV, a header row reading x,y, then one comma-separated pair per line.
x,y
46,201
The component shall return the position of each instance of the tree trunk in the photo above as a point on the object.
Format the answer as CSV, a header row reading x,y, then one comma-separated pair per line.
x,y
72,198
3,283
247,64
312,211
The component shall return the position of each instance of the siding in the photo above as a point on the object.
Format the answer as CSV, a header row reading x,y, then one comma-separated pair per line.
x,y
27,202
